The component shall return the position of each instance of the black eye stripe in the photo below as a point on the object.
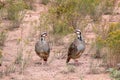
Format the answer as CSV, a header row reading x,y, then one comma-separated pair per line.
x,y
78,31
44,34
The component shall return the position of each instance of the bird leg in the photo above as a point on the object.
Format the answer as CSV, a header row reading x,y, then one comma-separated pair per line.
x,y
40,62
44,61
68,59
76,62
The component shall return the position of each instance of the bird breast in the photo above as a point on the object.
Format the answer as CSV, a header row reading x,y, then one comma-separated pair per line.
x,y
42,47
80,45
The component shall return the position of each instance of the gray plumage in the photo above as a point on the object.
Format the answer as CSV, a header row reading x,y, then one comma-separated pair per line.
x,y
42,47
76,48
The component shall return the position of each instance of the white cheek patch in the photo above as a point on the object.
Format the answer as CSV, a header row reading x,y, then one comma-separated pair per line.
x,y
78,32
44,35
78,35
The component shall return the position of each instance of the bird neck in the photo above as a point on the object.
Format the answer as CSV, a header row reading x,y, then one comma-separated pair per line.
x,y
80,37
42,39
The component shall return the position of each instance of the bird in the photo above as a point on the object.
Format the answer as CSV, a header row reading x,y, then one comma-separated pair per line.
x,y
42,48
76,48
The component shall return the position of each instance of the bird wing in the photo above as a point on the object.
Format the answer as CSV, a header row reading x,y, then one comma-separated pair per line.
x,y
37,47
47,48
72,49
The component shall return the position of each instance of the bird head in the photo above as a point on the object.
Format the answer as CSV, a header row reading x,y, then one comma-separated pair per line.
x,y
78,32
44,34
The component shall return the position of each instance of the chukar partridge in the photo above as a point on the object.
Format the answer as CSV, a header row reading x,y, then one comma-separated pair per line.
x,y
76,48
42,48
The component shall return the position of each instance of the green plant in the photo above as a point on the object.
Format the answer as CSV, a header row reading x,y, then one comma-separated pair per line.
x,y
19,58
112,42
94,8
65,14
64,11
61,16
94,67
99,44
15,11
108,40
119,5
14,8
1,4
70,68
2,38
114,27
3,13
114,73
45,2
29,3
109,6
0,57
101,33
10,69
62,29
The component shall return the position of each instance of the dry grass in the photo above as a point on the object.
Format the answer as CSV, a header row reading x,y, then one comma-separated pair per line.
x,y
2,37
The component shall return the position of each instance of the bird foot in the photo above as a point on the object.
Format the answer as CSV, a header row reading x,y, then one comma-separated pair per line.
x,y
45,63
38,63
